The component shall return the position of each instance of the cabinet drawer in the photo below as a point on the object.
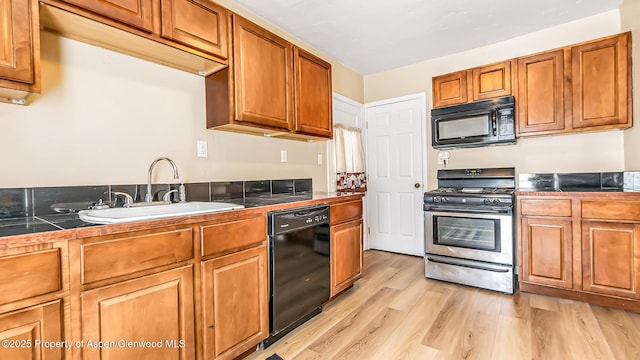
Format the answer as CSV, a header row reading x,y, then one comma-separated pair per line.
x,y
30,274
546,207
611,210
115,256
217,238
344,212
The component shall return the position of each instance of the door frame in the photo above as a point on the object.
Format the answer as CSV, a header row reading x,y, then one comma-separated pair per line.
x,y
422,98
330,155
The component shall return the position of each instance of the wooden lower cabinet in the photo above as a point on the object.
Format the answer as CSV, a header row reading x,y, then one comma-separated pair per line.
x,y
611,258
235,303
346,255
23,331
547,251
153,314
583,247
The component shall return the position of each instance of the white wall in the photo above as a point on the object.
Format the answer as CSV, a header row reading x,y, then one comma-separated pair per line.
x,y
602,151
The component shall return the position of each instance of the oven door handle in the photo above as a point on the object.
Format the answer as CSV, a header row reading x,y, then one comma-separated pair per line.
x,y
479,267
468,210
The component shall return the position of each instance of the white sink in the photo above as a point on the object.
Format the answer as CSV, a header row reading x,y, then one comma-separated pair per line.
x,y
120,215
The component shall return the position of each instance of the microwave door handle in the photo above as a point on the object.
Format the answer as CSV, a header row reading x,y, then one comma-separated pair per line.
x,y
494,124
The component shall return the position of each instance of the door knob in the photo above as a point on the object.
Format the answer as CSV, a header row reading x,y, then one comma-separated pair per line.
x,y
417,185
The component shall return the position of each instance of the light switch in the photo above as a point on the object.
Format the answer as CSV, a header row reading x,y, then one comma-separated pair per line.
x,y
319,159
283,155
202,148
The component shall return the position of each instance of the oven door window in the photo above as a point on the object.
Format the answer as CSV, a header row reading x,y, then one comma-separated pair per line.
x,y
471,233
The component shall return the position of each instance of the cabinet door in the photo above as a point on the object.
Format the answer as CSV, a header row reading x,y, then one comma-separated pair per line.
x,y
263,73
601,72
541,95
346,255
235,303
312,95
19,330
154,308
199,24
450,89
547,251
16,41
137,13
491,81
611,258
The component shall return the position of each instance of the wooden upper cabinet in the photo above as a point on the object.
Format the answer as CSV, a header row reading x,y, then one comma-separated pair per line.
x,y
541,92
199,24
19,49
450,89
263,72
491,81
601,82
312,95
480,83
611,258
271,88
136,13
16,60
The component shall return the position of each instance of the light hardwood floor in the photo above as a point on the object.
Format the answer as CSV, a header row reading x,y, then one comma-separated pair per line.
x,y
394,312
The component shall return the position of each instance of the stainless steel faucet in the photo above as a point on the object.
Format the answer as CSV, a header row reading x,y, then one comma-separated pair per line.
x,y
148,197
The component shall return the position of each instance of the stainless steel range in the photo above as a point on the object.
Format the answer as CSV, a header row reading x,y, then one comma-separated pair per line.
x,y
469,228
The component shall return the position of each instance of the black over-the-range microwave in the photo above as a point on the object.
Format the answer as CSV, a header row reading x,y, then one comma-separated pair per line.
x,y
480,123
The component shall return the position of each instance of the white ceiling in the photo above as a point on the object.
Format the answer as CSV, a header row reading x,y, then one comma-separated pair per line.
x,y
369,36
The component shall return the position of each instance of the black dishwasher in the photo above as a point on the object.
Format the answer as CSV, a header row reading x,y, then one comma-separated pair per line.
x,y
299,268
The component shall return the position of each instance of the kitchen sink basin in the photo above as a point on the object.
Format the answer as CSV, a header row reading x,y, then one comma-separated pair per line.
x,y
139,213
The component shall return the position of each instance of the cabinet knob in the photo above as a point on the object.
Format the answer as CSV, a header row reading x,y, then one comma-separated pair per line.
x,y
417,185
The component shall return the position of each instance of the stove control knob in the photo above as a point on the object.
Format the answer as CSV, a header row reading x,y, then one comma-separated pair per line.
x,y
444,199
487,201
436,199
496,201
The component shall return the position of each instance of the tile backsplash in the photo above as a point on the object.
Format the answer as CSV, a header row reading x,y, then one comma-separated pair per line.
x,y
43,201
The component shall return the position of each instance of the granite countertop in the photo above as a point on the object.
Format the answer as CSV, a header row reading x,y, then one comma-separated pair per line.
x,y
31,230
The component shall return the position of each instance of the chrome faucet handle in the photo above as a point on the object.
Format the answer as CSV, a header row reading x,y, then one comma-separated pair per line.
x,y
182,193
128,199
167,196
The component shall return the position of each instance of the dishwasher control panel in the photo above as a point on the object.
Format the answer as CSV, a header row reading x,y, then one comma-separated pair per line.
x,y
297,218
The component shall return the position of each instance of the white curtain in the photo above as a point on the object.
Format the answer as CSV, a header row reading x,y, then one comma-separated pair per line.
x,y
350,163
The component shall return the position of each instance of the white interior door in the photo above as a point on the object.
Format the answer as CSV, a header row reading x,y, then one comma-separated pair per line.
x,y
395,138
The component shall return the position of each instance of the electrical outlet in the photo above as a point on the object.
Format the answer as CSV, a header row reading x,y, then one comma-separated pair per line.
x,y
443,157
202,148
283,155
